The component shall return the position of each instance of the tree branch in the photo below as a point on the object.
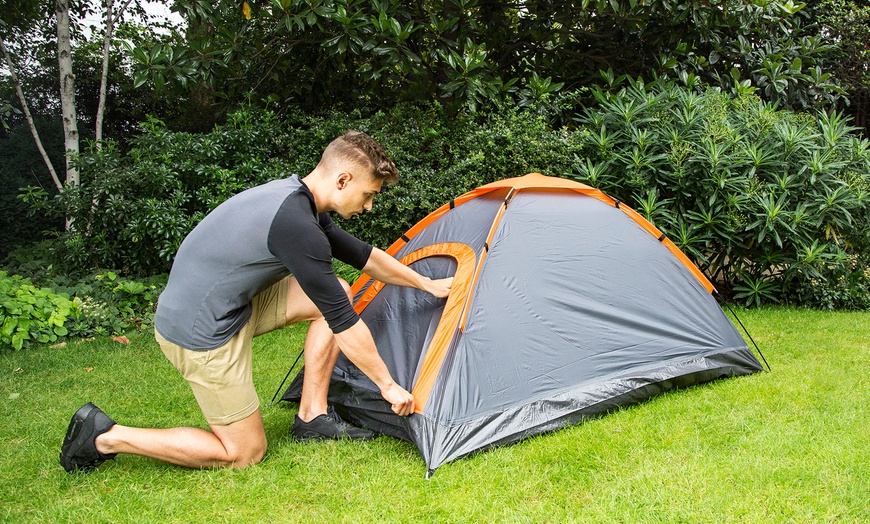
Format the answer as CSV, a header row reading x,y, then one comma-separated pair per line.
x,y
14,75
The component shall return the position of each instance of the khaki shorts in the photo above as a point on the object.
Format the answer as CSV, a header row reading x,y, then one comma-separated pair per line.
x,y
222,378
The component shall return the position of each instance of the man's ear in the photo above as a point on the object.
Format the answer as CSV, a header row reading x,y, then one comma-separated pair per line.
x,y
343,179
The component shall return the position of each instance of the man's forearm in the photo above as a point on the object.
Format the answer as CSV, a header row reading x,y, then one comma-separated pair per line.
x,y
359,346
388,270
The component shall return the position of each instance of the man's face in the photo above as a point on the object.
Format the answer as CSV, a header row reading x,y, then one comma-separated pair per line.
x,y
356,193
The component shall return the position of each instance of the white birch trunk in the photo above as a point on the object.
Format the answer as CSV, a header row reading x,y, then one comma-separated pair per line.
x,y
67,91
107,43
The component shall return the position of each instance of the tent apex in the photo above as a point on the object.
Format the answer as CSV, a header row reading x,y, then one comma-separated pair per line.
x,y
537,180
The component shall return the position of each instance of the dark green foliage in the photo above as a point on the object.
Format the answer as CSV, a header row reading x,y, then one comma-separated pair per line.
x,y
133,209
109,304
847,22
21,166
440,157
772,205
473,53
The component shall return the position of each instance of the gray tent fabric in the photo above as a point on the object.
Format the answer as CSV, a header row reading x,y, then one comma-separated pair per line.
x,y
577,309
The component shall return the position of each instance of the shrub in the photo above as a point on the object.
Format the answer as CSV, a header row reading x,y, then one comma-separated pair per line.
x,y
110,304
771,204
440,156
29,314
133,209
50,308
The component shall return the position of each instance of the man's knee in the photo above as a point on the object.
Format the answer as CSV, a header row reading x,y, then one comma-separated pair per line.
x,y
243,458
244,441
301,308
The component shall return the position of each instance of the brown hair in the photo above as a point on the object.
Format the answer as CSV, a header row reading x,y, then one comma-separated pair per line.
x,y
359,148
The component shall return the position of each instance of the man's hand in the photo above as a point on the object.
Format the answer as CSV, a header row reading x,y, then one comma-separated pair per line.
x,y
388,270
440,288
402,401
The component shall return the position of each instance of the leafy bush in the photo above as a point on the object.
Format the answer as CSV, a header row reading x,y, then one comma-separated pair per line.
x,y
441,156
771,204
29,314
110,304
133,209
53,307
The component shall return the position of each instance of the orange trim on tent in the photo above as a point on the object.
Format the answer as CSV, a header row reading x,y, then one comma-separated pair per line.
x,y
465,258
539,181
411,233
431,217
446,329
688,263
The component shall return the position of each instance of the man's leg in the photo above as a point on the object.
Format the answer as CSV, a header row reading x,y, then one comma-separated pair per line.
x,y
221,380
320,350
237,445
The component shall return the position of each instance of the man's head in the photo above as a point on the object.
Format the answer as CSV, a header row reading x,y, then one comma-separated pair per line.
x,y
351,171
363,151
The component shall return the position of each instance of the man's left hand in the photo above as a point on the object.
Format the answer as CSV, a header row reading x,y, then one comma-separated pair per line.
x,y
441,287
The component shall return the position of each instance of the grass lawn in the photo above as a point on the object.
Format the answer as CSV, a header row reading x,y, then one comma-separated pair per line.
x,y
788,446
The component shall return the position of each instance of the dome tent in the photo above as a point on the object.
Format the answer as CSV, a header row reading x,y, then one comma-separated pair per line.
x,y
565,304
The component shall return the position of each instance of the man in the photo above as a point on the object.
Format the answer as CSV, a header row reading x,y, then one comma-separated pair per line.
x,y
260,261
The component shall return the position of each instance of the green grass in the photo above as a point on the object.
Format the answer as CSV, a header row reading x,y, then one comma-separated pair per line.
x,y
788,446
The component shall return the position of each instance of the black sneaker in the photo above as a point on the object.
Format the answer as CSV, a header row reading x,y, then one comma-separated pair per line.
x,y
79,450
328,427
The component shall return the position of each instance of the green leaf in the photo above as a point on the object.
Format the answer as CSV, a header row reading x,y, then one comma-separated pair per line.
x,y
796,65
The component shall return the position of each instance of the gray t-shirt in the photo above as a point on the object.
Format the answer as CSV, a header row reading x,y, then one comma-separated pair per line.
x,y
245,245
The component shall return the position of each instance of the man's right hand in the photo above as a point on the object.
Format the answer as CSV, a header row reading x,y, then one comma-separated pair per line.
x,y
401,400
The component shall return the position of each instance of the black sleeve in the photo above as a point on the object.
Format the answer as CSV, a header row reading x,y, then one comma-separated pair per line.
x,y
345,247
298,241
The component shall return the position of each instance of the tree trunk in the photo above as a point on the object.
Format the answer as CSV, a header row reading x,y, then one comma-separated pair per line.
x,y
111,18
67,91
14,75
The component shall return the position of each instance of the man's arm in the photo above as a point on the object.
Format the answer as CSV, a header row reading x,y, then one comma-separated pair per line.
x,y
358,345
388,270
